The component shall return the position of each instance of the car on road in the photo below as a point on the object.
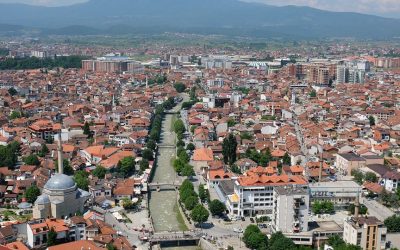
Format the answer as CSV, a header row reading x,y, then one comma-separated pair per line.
x,y
238,230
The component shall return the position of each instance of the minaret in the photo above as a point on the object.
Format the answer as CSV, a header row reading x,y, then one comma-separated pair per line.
x,y
60,156
147,82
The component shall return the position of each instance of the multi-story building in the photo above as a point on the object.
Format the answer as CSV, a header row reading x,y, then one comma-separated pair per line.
x,y
253,194
37,232
340,193
347,162
111,64
367,232
290,209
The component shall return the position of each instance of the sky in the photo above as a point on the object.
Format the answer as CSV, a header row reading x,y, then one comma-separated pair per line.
x,y
388,8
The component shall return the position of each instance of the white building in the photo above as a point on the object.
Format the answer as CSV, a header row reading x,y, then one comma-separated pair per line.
x,y
253,194
340,193
290,210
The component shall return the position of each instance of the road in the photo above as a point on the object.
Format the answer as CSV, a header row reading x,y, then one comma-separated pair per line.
x,y
376,209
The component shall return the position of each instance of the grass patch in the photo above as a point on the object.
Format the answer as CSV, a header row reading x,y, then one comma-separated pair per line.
x,y
173,120
179,218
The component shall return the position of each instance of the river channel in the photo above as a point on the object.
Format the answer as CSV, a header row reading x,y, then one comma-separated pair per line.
x,y
163,205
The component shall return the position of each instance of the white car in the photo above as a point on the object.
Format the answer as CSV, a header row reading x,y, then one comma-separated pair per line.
x,y
238,230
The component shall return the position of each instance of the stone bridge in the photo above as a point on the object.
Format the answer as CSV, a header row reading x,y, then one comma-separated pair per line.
x,y
175,238
163,186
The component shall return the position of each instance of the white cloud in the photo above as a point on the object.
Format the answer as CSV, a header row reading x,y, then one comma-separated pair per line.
x,y
379,7
45,2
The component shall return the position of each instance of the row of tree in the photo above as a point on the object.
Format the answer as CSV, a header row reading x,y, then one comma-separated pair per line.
x,y
37,63
190,199
181,163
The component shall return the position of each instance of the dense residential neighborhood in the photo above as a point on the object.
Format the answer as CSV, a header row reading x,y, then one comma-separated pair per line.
x,y
194,146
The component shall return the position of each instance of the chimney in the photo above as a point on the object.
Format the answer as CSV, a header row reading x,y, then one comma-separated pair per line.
x,y
60,156
320,169
356,207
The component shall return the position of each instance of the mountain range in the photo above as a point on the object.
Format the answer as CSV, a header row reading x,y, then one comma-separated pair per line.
x,y
226,17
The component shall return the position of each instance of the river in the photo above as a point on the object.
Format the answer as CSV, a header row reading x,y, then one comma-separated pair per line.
x,y
163,205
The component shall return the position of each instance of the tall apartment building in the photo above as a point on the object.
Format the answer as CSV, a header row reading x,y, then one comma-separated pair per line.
x,y
367,232
387,62
290,209
352,71
112,65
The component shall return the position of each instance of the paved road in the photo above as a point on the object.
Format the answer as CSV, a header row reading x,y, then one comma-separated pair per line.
x,y
376,209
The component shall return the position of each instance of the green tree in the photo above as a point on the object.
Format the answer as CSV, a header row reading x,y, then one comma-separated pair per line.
x,y
126,166
144,164
188,170
199,214
323,207
15,115
99,172
371,177
363,209
253,238
393,224
286,159
31,160
229,147
203,193
9,154
191,202
358,176
44,150
51,238
110,246
86,130
231,123
313,93
179,127
12,91
216,207
278,241
127,203
32,193
180,87
235,169
184,157
147,154
68,170
265,158
151,144
190,147
81,179
178,165
371,120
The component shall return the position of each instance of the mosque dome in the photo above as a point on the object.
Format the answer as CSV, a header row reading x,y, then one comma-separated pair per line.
x,y
60,182
42,199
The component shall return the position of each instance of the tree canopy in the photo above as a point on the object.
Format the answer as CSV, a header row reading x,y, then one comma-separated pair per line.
x,y
99,172
81,179
126,166
199,214
216,207
229,146
31,160
32,193
180,87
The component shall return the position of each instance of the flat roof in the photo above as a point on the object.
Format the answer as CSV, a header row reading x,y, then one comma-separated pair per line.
x,y
335,184
324,226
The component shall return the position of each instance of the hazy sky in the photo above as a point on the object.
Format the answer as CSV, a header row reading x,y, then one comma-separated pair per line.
x,y
379,7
